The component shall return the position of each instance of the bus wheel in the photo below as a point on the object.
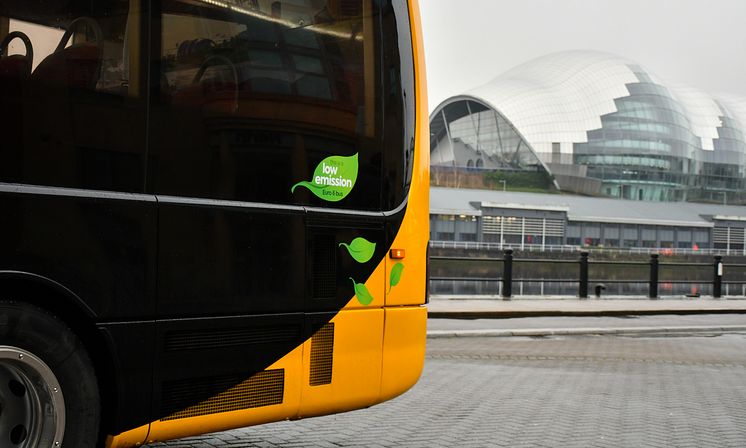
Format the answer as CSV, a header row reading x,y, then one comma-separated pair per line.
x,y
48,389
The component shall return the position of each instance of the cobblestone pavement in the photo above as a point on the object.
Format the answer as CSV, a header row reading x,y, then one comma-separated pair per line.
x,y
571,392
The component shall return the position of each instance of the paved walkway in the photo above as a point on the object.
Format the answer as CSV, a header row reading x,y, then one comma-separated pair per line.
x,y
594,392
540,317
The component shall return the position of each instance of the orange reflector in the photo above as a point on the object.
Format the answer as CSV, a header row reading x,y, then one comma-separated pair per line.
x,y
397,254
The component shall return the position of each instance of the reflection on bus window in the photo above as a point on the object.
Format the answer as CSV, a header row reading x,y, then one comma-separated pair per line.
x,y
280,85
295,48
63,80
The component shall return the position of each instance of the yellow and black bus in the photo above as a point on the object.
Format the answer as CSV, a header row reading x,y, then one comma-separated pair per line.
x,y
213,214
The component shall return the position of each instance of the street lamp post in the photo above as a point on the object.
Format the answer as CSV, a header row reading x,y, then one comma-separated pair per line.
x,y
504,182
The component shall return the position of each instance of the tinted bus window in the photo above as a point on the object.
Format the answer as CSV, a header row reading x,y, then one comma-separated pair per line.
x,y
270,101
399,102
70,95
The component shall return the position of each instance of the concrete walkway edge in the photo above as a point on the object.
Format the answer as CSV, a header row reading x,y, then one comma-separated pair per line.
x,y
447,308
543,332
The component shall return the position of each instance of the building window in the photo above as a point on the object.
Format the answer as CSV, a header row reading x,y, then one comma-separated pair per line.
x,y
533,239
573,230
554,240
444,236
491,238
648,234
592,242
592,231
684,236
513,239
702,238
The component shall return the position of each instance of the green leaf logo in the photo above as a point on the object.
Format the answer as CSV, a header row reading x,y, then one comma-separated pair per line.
x,y
395,276
362,293
360,249
333,179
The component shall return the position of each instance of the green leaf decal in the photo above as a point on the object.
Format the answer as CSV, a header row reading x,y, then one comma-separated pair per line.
x,y
395,276
362,293
360,249
333,179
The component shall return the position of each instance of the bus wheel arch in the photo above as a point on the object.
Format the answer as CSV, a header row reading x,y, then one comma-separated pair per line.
x,y
63,312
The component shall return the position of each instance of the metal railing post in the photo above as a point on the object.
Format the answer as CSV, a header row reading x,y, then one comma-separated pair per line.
x,y
508,274
583,286
654,264
717,282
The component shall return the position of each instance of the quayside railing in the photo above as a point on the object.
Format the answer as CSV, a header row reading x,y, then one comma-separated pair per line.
x,y
594,275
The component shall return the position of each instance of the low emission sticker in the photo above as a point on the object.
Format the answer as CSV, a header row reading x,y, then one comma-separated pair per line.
x,y
333,179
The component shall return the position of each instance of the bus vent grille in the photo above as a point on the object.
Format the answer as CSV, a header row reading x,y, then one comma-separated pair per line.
x,y
322,355
263,389
323,267
228,337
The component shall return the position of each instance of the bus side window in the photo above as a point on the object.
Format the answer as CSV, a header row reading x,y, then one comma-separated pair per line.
x,y
254,96
74,120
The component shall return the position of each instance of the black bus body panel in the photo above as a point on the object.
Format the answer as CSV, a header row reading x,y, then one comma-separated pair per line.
x,y
229,261
103,250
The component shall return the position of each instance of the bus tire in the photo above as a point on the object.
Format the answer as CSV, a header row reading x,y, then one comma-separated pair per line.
x,y
44,366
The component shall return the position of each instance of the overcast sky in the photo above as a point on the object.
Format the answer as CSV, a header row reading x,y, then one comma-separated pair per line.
x,y
696,42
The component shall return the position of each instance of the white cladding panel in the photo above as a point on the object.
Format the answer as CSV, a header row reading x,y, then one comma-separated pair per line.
x,y
561,96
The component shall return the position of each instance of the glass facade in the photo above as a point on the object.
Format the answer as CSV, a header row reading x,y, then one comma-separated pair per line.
x,y
470,134
586,114
647,150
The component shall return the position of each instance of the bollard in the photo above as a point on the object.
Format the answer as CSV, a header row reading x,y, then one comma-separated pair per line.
x,y
654,276
508,274
599,289
583,286
717,283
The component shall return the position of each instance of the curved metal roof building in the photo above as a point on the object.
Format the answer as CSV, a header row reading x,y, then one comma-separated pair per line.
x,y
583,115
